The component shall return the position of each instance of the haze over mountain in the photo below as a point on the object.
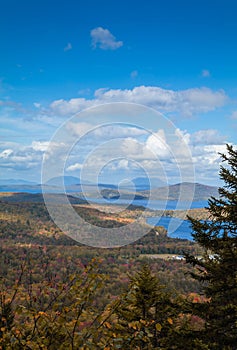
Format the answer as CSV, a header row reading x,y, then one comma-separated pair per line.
x,y
9,182
140,189
66,180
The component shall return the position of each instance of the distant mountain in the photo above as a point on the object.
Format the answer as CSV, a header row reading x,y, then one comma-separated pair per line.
x,y
141,189
21,188
72,183
55,186
106,185
184,191
63,180
145,183
141,184
9,182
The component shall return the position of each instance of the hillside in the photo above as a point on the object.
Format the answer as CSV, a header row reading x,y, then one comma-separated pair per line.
x,y
184,191
24,197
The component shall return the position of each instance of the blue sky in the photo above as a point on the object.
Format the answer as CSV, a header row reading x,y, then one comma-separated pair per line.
x,y
59,57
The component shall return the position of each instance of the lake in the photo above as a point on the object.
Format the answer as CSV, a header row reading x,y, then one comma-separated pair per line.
x,y
176,228
152,204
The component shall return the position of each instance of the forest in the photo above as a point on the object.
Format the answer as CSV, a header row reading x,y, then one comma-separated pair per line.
x,y
58,294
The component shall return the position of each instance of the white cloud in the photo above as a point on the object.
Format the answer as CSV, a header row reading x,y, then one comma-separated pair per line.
x,y
206,73
79,129
183,135
206,158
74,105
204,145
6,153
201,100
40,145
118,131
205,155
104,39
73,167
124,164
183,102
130,147
37,105
208,137
156,143
153,153
20,158
68,47
104,131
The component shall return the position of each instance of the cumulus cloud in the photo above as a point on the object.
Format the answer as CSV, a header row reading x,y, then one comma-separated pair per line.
x,y
118,131
79,129
22,157
40,145
130,147
206,159
153,153
204,155
74,105
74,167
183,102
124,164
147,149
208,137
104,132
183,135
104,39
156,142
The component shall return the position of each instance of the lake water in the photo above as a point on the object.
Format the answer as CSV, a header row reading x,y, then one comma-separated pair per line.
x,y
176,228
152,204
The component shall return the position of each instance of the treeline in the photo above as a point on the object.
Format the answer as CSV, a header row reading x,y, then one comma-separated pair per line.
x,y
42,310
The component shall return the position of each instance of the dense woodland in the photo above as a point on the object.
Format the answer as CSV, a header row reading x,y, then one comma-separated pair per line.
x,y
58,294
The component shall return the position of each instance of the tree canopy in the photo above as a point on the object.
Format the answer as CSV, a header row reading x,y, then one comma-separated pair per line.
x,y
218,269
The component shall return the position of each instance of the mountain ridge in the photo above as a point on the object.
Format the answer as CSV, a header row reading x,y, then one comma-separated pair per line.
x,y
184,191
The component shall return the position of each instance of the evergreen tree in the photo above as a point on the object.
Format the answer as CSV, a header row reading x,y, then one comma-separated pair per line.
x,y
146,313
218,268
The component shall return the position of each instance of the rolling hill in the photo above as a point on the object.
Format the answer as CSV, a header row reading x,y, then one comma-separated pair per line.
x,y
184,191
